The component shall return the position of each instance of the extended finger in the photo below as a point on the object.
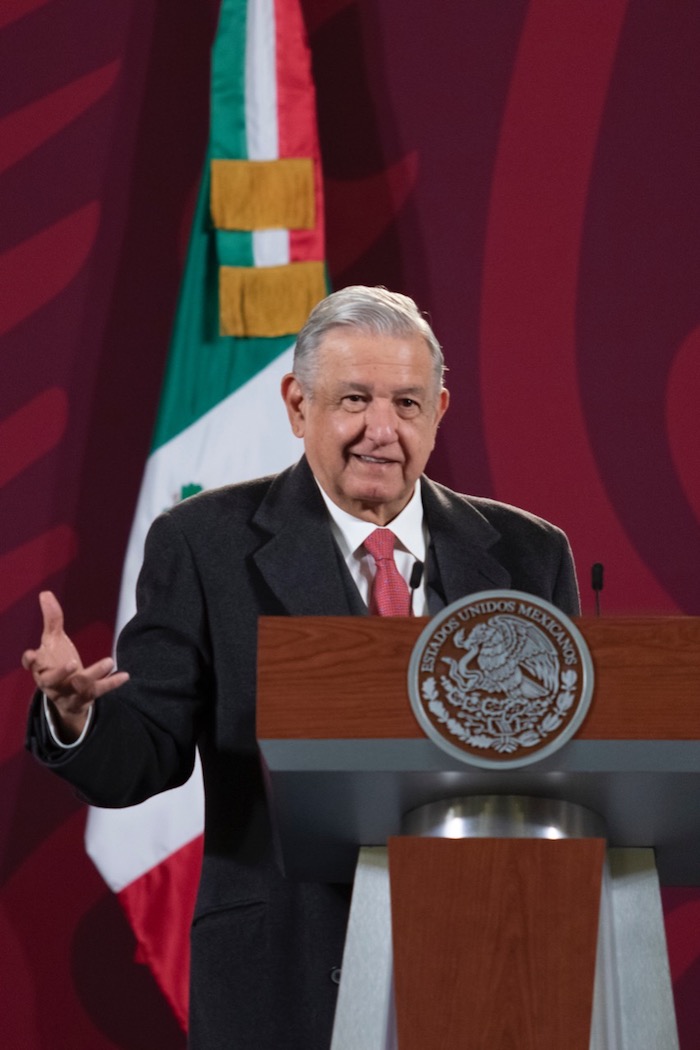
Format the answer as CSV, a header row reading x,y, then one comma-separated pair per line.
x,y
113,681
51,612
98,679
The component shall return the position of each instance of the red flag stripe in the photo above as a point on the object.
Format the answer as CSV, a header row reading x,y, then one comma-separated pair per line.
x,y
296,118
159,906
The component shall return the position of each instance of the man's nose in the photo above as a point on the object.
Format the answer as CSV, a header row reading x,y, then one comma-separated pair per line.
x,y
380,422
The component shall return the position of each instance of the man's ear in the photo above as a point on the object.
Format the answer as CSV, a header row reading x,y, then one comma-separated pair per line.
x,y
443,404
293,397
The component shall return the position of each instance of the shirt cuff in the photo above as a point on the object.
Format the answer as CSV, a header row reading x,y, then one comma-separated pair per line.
x,y
48,715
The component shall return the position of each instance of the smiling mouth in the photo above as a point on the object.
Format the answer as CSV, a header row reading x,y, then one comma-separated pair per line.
x,y
375,460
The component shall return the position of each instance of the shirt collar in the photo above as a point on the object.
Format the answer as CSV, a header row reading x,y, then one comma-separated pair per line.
x,y
351,532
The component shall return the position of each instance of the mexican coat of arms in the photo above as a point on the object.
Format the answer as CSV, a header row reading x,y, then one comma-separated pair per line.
x,y
500,678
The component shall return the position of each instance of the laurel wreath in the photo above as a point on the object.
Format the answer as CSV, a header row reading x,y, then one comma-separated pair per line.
x,y
504,742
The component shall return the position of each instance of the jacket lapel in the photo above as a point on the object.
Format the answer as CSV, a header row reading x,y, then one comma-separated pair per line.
x,y
301,564
299,560
461,539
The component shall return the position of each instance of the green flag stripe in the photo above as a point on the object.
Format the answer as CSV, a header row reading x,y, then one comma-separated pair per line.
x,y
234,248
228,130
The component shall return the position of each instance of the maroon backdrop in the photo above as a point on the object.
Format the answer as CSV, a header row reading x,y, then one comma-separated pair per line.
x,y
526,170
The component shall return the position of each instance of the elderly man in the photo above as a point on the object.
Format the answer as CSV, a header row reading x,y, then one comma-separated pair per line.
x,y
366,396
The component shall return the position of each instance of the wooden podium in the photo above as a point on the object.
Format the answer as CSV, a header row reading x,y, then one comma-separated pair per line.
x,y
498,941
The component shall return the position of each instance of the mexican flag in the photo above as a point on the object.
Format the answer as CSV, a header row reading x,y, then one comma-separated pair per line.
x,y
254,270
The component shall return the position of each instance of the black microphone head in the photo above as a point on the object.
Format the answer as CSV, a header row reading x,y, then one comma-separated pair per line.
x,y
416,575
597,576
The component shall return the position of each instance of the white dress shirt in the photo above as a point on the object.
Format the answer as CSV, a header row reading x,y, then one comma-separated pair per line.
x,y
412,538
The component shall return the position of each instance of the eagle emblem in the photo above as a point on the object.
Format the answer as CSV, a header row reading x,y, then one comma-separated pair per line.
x,y
506,655
501,677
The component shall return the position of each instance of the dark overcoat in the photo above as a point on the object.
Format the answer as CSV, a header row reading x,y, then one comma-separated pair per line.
x,y
264,949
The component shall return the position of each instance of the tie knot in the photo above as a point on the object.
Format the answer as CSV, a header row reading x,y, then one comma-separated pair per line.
x,y
380,544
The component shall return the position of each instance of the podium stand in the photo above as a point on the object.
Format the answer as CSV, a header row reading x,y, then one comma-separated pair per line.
x,y
562,949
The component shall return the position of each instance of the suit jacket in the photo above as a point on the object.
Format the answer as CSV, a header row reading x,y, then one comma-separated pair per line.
x,y
264,949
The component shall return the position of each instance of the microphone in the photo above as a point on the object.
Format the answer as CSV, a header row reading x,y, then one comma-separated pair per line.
x,y
597,584
415,580
416,575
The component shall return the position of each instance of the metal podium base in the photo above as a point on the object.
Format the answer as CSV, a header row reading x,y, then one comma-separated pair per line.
x,y
633,999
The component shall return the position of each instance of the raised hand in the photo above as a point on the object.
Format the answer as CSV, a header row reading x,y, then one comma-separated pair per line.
x,y
59,672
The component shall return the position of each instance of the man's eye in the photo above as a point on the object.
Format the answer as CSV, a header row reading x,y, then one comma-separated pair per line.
x,y
354,400
407,406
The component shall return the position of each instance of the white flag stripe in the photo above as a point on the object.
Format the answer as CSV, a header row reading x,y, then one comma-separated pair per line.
x,y
247,435
261,82
270,247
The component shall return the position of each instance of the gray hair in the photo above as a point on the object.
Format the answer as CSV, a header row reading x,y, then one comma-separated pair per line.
x,y
376,311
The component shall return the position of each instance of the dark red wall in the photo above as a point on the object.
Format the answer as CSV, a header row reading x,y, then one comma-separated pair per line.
x,y
528,171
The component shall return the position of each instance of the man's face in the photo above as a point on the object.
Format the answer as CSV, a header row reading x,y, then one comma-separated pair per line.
x,y
370,422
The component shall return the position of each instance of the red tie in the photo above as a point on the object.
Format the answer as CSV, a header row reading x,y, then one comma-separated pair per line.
x,y
390,594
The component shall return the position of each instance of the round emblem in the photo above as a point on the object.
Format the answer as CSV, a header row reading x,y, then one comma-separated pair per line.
x,y
500,679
